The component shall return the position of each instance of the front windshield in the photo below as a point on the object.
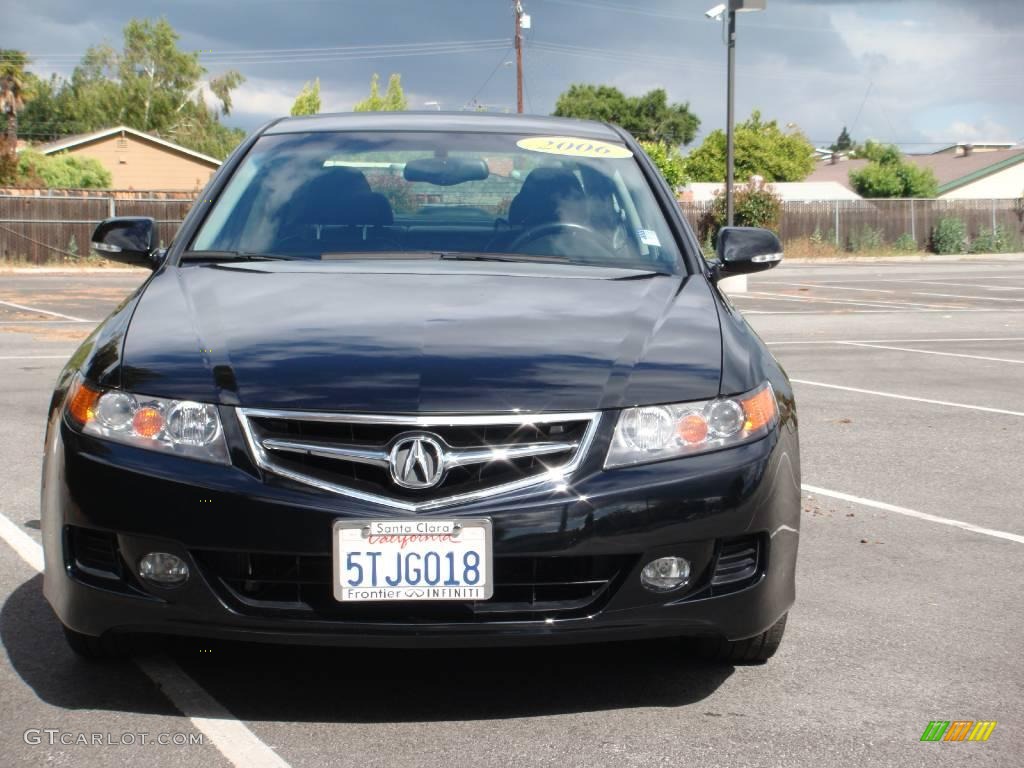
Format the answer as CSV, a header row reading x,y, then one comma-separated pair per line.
x,y
392,194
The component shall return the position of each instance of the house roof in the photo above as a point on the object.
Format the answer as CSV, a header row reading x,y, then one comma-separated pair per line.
x,y
952,171
69,142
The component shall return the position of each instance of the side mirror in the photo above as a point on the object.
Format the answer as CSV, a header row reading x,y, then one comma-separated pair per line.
x,y
742,250
128,239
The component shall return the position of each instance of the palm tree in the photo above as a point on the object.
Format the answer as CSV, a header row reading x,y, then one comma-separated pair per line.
x,y
12,91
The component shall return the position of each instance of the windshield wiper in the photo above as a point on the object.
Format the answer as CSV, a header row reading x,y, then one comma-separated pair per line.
x,y
221,256
513,257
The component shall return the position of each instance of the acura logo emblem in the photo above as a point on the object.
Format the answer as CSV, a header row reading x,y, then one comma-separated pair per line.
x,y
416,461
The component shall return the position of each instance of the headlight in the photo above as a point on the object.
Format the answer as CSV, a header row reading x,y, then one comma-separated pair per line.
x,y
659,432
181,427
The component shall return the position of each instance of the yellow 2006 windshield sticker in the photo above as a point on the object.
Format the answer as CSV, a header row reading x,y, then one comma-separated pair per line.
x,y
573,147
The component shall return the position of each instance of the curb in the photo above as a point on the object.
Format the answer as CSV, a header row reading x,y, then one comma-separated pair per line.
x,y
72,270
928,258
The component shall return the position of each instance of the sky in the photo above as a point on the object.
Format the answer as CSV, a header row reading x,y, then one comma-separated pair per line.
x,y
913,72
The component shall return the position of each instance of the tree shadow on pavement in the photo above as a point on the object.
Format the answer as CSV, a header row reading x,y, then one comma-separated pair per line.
x,y
259,682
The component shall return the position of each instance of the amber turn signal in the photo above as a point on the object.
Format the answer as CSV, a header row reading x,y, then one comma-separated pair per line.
x,y
759,410
82,402
148,421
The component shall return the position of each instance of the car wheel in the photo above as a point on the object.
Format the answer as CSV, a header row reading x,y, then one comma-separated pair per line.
x,y
96,648
754,650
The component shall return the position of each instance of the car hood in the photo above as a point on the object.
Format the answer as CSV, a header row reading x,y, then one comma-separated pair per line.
x,y
407,337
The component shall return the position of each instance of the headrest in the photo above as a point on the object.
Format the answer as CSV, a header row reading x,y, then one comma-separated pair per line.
x,y
547,194
338,196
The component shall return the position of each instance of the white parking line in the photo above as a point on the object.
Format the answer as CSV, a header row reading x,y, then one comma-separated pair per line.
x,y
875,304
45,312
930,352
829,287
912,513
230,736
963,296
28,549
908,397
234,740
892,341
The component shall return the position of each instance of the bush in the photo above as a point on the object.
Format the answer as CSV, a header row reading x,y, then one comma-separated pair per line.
x,y
905,243
61,171
756,205
866,239
949,236
669,161
992,241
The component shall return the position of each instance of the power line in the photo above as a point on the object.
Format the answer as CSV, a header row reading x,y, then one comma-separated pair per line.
x,y
693,19
501,61
871,84
291,55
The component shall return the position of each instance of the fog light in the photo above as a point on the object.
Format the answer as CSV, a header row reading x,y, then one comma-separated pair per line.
x,y
665,574
163,568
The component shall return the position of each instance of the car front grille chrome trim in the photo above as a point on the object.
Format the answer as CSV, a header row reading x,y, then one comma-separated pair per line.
x,y
328,451
266,450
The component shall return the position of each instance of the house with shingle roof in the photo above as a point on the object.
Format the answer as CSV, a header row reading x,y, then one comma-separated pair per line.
x,y
964,171
138,160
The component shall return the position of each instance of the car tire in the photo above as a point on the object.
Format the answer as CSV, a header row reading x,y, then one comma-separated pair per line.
x,y
93,648
754,650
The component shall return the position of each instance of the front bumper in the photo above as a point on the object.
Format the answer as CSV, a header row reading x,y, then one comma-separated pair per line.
x,y
203,512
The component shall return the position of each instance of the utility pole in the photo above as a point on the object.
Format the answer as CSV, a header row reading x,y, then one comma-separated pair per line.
x,y
517,8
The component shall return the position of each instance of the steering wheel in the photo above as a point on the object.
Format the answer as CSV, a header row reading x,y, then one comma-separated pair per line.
x,y
581,231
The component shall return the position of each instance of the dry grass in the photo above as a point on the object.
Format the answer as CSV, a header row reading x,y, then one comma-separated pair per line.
x,y
52,333
808,248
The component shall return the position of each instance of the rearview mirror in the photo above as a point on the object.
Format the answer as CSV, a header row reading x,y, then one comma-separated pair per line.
x,y
742,250
445,171
128,239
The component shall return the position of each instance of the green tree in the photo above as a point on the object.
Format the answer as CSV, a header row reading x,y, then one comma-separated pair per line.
x,y
756,205
62,171
14,92
150,85
762,149
308,100
887,174
844,143
668,159
648,117
393,99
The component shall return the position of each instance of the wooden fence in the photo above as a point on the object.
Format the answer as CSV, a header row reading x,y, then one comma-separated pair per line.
x,y
45,226
843,223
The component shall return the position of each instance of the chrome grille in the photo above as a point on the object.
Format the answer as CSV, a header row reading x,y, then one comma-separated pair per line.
x,y
363,456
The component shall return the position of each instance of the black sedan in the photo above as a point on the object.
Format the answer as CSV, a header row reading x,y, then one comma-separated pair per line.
x,y
425,380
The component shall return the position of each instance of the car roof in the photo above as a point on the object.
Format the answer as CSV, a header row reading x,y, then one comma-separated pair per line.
x,y
446,121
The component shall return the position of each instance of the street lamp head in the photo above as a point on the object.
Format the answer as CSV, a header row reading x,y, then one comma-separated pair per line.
x,y
716,12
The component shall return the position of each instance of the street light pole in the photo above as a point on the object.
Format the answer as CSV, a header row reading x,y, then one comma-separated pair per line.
x,y
730,141
518,10
727,12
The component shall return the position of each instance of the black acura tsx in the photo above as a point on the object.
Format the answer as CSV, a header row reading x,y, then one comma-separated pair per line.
x,y
426,380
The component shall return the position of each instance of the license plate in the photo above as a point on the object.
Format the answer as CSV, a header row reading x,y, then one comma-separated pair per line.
x,y
377,560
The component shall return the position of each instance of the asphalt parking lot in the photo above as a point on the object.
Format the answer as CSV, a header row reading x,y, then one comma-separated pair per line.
x,y
909,380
